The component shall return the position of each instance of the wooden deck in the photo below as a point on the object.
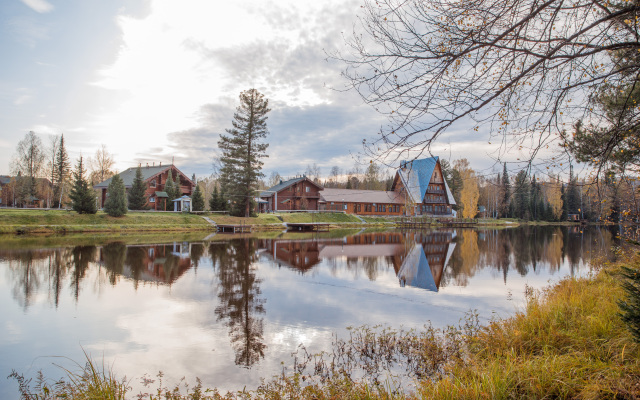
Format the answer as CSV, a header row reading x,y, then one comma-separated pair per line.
x,y
457,222
308,226
233,228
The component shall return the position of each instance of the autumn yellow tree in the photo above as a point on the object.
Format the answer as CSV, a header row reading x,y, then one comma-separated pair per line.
x,y
470,193
553,193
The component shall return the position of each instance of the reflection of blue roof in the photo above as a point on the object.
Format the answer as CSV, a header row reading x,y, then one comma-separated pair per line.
x,y
416,272
416,176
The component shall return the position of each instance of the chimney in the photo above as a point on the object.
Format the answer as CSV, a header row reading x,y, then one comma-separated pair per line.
x,y
154,163
147,165
161,163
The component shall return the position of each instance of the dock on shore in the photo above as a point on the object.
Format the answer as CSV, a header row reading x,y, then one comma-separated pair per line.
x,y
231,228
308,226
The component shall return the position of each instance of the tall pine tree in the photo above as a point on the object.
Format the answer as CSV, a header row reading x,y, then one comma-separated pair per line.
x,y
82,196
116,203
242,151
137,194
506,192
62,169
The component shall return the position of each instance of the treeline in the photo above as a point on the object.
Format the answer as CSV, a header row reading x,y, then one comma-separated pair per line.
x,y
43,172
552,198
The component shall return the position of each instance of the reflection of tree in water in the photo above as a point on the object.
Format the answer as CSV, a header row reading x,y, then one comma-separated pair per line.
x,y
135,259
239,298
82,256
196,252
25,269
114,255
523,249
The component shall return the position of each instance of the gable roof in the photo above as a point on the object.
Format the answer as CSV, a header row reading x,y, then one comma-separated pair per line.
x,y
129,174
284,184
416,176
4,179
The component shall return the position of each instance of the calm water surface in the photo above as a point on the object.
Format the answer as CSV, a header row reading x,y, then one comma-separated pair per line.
x,y
230,309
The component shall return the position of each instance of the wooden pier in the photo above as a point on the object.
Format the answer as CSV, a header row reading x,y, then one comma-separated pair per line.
x,y
458,222
228,228
308,226
415,223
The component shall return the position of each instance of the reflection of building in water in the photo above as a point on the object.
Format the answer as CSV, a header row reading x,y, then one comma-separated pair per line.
x,y
162,263
418,258
424,264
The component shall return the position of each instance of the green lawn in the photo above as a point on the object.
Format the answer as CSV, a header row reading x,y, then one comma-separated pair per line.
x,y
46,221
339,218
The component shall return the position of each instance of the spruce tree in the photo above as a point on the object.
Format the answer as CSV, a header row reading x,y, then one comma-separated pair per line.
x,y
213,201
82,196
169,188
242,151
223,204
137,194
197,200
177,188
630,305
61,173
116,203
506,190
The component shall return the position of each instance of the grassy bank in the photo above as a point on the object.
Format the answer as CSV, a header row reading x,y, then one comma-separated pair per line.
x,y
568,343
60,221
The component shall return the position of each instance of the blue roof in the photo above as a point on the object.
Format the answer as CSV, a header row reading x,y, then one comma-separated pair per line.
x,y
416,176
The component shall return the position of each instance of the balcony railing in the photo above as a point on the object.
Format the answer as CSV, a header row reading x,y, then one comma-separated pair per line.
x,y
438,201
435,191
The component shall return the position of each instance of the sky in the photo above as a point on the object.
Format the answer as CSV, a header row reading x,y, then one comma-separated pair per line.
x,y
158,80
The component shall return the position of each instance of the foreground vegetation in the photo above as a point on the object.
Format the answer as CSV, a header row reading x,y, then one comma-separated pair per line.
x,y
569,342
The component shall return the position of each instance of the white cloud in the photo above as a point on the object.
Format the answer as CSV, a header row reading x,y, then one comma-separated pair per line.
x,y
40,6
186,54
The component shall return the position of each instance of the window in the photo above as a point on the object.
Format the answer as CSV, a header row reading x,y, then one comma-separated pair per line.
x,y
345,207
307,189
153,183
152,199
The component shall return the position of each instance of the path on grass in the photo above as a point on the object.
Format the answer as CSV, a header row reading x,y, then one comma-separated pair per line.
x,y
209,220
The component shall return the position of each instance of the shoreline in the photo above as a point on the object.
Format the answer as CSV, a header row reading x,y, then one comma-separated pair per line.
x,y
36,222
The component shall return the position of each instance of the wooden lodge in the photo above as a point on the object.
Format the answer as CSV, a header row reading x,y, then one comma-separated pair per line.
x,y
155,177
299,193
419,188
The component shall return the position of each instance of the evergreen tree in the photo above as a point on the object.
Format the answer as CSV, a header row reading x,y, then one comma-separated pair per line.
x,y
213,201
197,200
116,203
506,191
61,173
82,196
630,306
242,151
137,194
521,196
177,188
223,204
170,190
572,195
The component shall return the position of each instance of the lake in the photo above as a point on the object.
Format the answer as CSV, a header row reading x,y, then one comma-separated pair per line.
x,y
231,309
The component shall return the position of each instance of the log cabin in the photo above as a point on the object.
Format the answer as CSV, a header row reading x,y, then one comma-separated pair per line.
x,y
155,177
299,193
